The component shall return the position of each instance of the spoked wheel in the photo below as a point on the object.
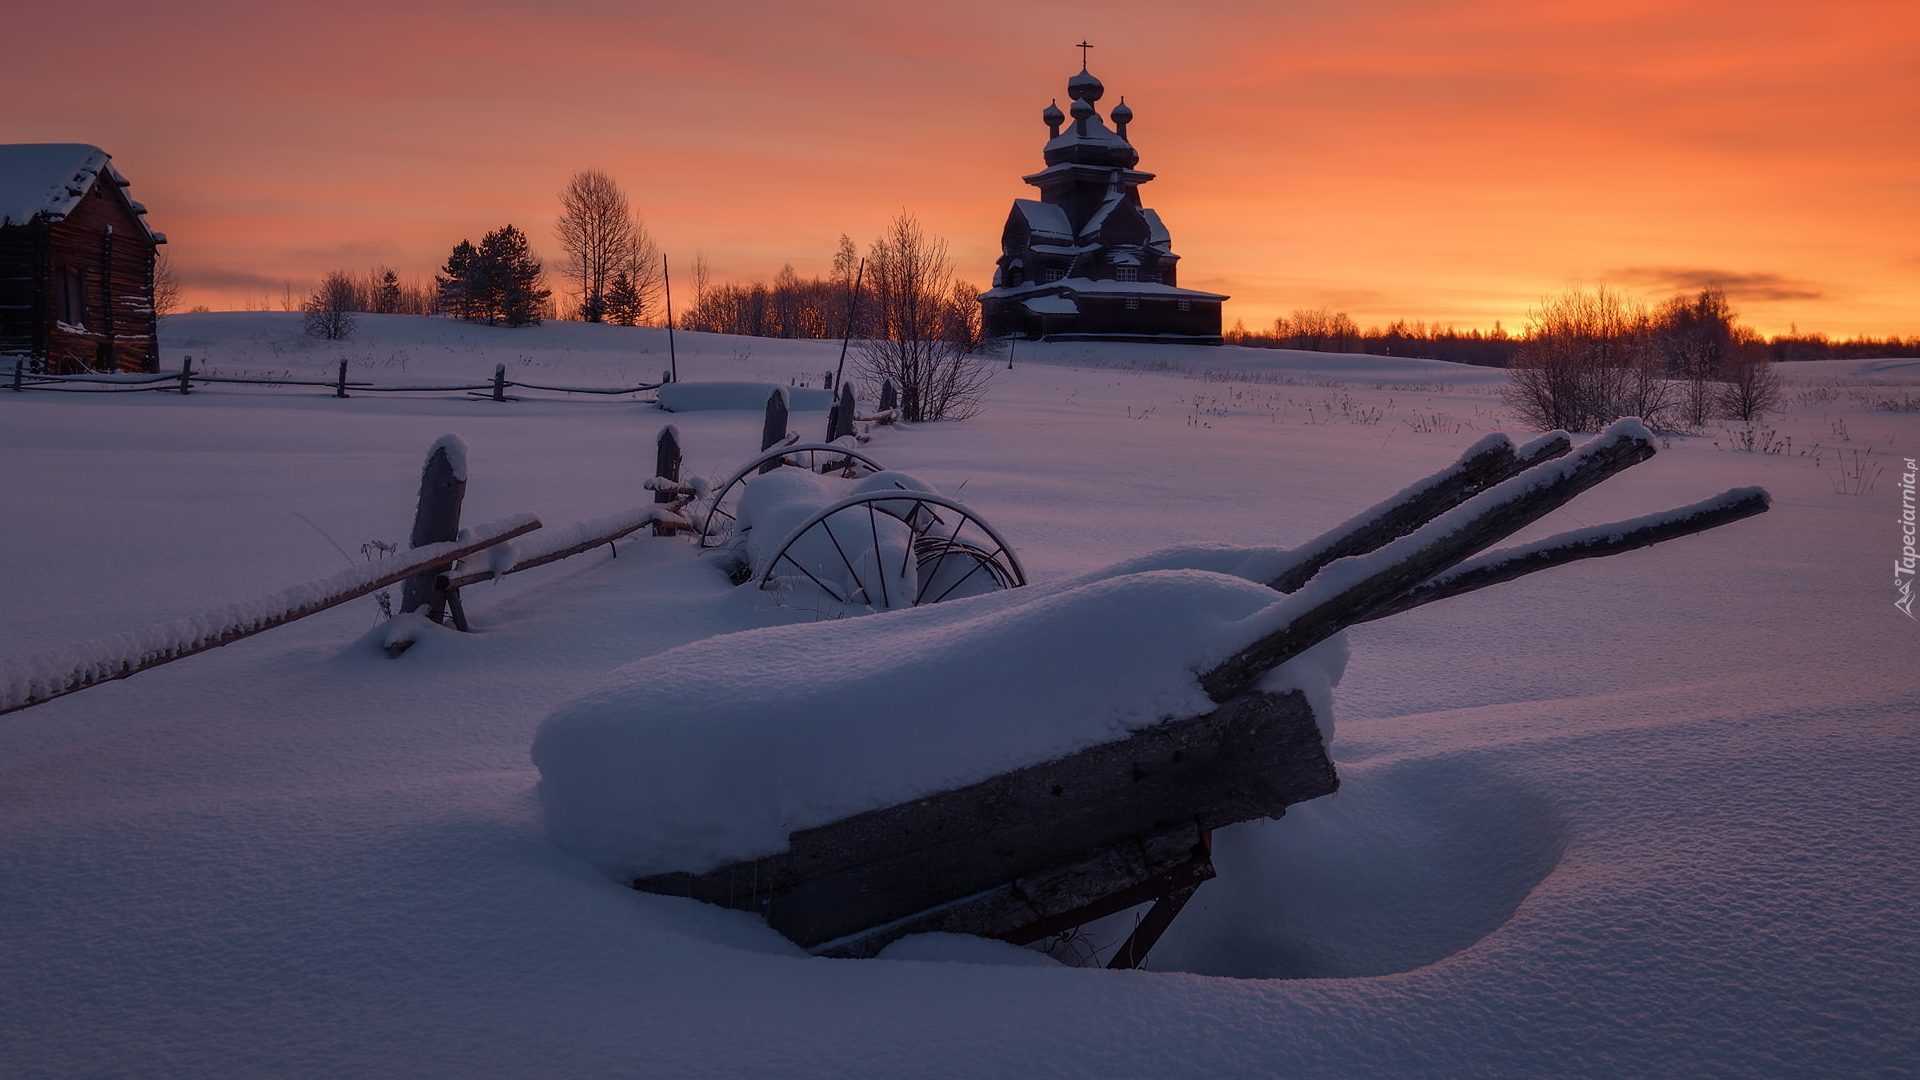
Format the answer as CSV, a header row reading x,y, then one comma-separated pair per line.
x,y
891,549
823,458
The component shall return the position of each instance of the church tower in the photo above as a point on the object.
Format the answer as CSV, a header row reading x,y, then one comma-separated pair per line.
x,y
1086,261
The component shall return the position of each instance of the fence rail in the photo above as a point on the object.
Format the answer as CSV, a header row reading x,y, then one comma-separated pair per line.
x,y
186,379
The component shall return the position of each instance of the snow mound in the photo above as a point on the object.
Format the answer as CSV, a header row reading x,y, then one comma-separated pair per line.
x,y
713,752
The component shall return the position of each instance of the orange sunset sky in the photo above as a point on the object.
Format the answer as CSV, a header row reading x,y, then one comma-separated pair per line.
x,y
1451,162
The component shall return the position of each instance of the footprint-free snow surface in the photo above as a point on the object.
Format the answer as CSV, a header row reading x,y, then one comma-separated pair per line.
x,y
1645,816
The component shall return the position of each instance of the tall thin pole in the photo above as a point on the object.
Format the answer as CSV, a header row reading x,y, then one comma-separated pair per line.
x,y
673,359
853,306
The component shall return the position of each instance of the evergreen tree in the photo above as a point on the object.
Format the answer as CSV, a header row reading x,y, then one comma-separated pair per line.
x,y
455,282
386,296
512,278
623,301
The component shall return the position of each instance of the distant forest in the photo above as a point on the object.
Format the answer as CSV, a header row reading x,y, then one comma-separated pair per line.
x,y
1321,330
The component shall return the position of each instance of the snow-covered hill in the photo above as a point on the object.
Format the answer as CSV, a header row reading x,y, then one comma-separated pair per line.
x,y
1642,816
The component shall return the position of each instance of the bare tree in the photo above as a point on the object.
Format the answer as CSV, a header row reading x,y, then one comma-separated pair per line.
x,y
1752,387
601,240
328,313
1588,360
166,286
911,283
1695,335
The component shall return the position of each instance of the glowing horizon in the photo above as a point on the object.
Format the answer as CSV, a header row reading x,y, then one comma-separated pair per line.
x,y
1394,160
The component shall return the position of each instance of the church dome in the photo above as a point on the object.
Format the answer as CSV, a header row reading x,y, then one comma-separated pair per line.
x,y
1121,114
1053,117
1084,87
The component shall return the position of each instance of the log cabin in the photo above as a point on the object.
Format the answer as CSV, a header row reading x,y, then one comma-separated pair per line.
x,y
76,263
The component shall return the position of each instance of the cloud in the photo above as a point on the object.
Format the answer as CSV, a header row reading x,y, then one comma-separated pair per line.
x,y
218,277
1758,285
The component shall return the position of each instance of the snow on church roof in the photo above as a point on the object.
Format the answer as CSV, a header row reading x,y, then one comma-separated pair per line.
x,y
50,178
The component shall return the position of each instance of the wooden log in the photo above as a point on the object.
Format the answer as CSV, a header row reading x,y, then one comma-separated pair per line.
x,y
1251,758
774,429
436,519
1491,461
1497,566
1437,547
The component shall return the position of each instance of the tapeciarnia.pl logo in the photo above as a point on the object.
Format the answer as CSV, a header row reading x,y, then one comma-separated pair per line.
x,y
1903,567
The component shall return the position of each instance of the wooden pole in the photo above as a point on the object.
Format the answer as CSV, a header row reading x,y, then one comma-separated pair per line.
x,y
774,431
666,465
186,375
340,386
499,382
672,357
889,395
17,388
853,308
436,519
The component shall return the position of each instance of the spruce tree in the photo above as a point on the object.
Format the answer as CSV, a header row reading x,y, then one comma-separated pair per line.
x,y
623,302
512,278
455,282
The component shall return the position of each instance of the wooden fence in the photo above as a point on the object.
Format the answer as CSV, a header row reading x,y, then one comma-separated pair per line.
x,y
22,380
427,571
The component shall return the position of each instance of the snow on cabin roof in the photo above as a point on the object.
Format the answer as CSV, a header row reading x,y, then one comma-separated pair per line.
x,y
50,178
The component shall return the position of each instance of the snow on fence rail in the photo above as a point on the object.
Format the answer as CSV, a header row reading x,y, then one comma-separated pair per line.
x,y
187,378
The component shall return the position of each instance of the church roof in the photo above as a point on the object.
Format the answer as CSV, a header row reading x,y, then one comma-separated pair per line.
x,y
1045,219
49,179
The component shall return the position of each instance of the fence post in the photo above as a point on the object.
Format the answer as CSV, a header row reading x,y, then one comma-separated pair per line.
x,y
774,431
443,486
16,375
666,465
186,375
889,396
499,382
340,387
842,413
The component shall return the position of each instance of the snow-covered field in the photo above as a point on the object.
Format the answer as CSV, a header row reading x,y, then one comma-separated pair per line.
x,y
1652,815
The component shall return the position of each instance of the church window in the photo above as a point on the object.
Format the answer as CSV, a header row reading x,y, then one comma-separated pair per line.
x,y
1054,274
1127,273
1184,305
1133,304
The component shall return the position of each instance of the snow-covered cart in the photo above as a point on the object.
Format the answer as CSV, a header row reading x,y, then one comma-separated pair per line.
x,y
1031,760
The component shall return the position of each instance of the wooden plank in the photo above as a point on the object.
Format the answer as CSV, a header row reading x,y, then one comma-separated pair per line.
x,y
1251,758
1051,902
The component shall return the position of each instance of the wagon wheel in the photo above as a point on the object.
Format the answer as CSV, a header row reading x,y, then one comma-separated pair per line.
x,y
953,552
814,457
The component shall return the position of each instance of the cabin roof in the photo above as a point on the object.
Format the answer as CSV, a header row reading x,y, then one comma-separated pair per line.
x,y
49,179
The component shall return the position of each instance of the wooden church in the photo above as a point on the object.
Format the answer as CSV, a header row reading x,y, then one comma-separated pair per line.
x,y
76,263
1086,261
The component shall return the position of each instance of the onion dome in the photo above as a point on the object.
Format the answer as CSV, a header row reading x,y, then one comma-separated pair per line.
x,y
1082,109
1053,118
1122,116
1084,87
